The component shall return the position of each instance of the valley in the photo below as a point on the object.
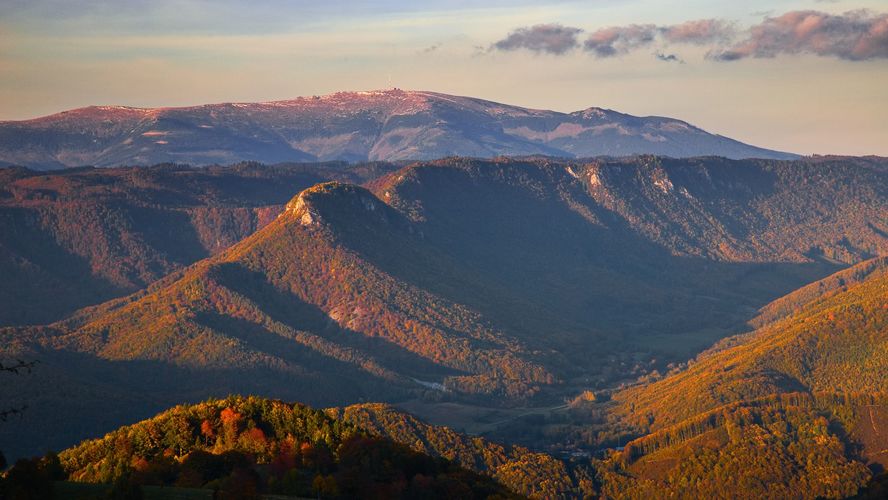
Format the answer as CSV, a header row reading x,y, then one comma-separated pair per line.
x,y
557,306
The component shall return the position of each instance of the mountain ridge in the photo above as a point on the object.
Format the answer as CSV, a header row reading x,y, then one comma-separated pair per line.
x,y
91,234
388,125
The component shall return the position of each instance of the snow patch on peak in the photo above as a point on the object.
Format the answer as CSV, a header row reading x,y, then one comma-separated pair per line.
x,y
593,112
118,108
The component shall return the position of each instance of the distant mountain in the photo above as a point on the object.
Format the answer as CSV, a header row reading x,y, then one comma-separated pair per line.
x,y
503,282
354,126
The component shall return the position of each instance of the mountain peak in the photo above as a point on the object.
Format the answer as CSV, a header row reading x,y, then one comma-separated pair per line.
x,y
594,112
313,205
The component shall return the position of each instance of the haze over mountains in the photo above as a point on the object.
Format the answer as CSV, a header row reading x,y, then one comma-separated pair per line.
x,y
384,125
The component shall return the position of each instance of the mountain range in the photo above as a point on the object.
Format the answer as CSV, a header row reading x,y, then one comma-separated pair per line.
x,y
409,294
386,125
476,282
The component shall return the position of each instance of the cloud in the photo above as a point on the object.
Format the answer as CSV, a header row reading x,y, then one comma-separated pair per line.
x,y
699,32
855,36
669,57
549,38
618,40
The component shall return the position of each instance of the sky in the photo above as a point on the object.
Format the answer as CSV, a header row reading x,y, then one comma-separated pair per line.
x,y
807,76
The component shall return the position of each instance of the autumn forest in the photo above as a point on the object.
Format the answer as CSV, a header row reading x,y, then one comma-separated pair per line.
x,y
644,327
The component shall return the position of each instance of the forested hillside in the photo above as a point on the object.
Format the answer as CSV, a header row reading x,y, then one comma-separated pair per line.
x,y
819,290
504,283
835,343
796,408
244,446
537,475
93,234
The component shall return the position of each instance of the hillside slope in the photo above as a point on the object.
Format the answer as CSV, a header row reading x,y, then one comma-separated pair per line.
x,y
273,447
537,475
796,408
819,290
265,317
93,234
835,342
353,126
501,282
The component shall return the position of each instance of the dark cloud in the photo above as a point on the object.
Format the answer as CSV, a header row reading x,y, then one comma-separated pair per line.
x,y
549,38
856,36
669,57
618,40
